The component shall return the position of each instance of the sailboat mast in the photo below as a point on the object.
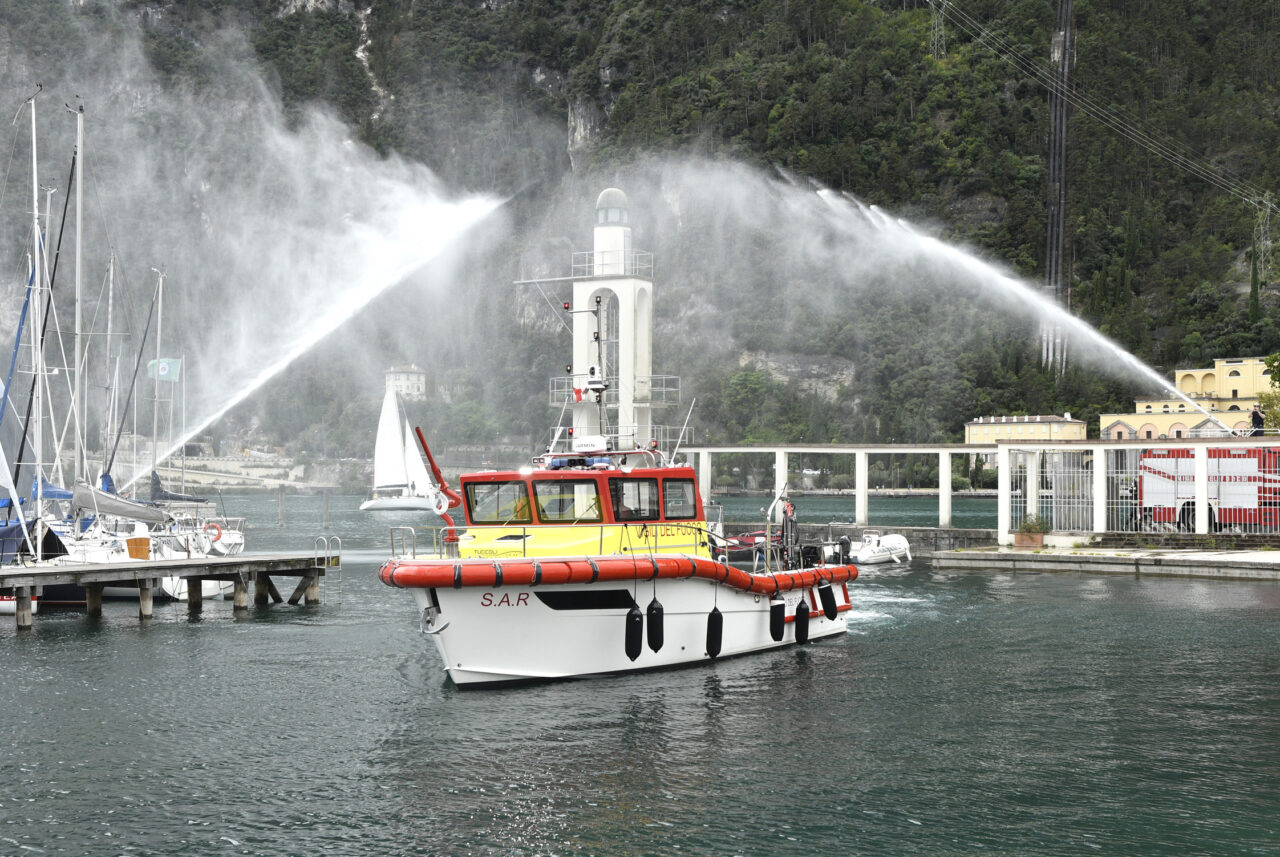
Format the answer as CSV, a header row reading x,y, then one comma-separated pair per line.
x,y
112,371
155,413
37,321
183,378
77,408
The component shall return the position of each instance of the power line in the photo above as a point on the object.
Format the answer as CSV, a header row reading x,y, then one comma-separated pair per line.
x,y
938,38
1110,116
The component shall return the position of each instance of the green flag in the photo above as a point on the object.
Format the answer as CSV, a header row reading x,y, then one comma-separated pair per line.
x,y
165,370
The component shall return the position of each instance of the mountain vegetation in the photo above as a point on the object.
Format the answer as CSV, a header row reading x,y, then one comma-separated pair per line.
x,y
539,98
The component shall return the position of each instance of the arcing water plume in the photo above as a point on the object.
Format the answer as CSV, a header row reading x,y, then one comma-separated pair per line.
x,y
272,229
390,254
1087,343
834,253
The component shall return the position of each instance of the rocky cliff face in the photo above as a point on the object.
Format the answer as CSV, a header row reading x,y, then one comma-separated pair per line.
x,y
585,121
822,376
348,7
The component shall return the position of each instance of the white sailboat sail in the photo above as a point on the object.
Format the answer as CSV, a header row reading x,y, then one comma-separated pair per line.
x,y
415,469
388,449
400,477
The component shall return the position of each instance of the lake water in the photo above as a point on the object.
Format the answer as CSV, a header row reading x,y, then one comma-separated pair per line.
x,y
994,713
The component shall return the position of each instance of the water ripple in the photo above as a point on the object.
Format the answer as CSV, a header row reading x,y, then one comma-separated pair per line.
x,y
1013,714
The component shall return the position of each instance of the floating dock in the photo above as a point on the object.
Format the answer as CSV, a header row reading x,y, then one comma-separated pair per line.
x,y
1151,562
240,570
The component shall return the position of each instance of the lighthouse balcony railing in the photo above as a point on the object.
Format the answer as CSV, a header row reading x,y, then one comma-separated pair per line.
x,y
613,263
652,390
622,438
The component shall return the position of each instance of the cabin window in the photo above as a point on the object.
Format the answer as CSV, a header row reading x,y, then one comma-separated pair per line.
x,y
567,501
677,499
499,503
634,499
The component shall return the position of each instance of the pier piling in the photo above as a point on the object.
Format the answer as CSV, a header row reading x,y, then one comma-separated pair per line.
x,y
303,585
260,589
23,606
146,599
93,599
146,577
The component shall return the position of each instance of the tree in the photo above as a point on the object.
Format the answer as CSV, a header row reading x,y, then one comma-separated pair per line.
x,y
1270,400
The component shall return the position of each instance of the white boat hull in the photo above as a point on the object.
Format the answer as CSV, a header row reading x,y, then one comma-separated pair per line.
x,y
888,548
486,635
394,504
9,605
175,588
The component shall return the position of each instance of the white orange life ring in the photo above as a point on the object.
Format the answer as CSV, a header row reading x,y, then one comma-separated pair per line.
x,y
214,530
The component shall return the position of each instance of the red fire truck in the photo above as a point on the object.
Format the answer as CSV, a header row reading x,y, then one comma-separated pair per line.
x,y
1244,487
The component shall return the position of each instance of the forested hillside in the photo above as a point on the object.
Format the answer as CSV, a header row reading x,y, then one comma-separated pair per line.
x,y
551,101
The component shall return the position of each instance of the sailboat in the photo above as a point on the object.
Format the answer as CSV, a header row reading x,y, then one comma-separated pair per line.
x,y
82,525
400,478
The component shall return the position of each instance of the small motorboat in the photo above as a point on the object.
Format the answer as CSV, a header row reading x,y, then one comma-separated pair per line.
x,y
877,547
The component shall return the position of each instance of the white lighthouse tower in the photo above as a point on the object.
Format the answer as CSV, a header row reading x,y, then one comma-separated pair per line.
x,y
612,308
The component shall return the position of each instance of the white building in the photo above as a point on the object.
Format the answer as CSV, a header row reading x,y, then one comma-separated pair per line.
x,y
408,380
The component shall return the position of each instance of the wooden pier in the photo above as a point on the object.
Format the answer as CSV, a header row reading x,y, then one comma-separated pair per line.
x,y
23,582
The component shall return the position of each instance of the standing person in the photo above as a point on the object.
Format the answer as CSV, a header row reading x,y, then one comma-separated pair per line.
x,y
1256,418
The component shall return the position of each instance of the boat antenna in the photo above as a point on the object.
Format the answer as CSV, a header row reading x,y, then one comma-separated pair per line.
x,y
28,100
564,406
680,439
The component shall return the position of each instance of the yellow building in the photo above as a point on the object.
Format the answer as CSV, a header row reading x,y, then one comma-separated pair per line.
x,y
1039,427
1228,392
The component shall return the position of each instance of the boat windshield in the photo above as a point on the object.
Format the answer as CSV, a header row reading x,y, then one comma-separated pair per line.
x,y
567,501
634,499
677,499
499,502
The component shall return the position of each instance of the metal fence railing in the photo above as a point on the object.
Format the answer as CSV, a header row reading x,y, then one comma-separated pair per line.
x,y
1157,489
